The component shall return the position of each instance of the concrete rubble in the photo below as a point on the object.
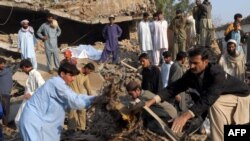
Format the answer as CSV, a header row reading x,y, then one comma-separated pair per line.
x,y
87,11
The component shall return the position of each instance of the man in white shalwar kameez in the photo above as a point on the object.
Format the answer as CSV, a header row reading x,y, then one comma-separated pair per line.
x,y
34,81
160,38
144,36
43,115
26,42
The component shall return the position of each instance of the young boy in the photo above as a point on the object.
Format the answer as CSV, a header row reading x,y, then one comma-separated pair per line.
x,y
151,75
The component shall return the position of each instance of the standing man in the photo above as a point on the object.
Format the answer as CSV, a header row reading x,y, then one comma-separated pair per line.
x,y
165,67
196,15
160,38
177,70
206,24
233,62
237,18
26,42
178,26
81,85
49,32
5,89
144,36
223,96
111,33
34,81
151,75
44,113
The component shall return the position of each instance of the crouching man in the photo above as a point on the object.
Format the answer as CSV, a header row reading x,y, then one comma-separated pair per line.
x,y
164,110
225,98
43,115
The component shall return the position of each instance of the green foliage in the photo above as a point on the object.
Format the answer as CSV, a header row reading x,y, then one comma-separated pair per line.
x,y
169,7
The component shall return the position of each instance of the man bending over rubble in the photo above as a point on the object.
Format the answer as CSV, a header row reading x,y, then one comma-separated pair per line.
x,y
224,97
164,110
43,115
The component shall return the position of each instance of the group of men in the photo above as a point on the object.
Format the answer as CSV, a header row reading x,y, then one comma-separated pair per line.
x,y
51,100
172,89
48,32
46,102
202,89
153,35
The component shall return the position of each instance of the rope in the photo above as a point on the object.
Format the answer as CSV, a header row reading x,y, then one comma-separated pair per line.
x,y
81,37
8,18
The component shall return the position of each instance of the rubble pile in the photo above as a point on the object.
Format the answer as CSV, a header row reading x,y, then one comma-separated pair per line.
x,y
110,119
8,40
88,11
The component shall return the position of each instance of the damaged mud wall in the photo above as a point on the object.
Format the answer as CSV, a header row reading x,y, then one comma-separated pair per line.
x,y
73,33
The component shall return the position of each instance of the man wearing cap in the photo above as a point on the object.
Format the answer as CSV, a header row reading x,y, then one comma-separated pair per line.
x,y
164,110
68,57
144,35
233,62
178,26
26,43
111,33
49,32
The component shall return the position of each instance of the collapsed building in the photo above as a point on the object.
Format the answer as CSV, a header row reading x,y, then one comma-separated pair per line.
x,y
81,21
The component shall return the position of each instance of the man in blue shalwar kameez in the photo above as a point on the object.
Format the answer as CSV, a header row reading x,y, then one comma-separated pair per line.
x,y
43,115
111,33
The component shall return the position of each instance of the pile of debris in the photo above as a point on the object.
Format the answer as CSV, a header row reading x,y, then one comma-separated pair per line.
x,y
110,118
88,11
8,40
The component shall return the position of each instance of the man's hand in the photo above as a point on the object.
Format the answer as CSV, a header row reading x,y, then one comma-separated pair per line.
x,y
98,99
27,96
137,107
45,38
178,98
180,122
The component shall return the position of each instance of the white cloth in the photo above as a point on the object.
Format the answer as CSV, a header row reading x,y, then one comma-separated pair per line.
x,y
144,36
86,51
33,82
191,20
165,69
160,35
